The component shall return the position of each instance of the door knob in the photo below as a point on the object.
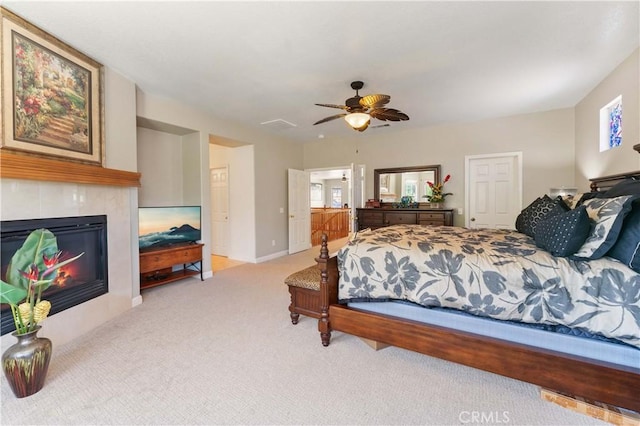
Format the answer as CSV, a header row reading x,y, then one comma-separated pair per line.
x,y
291,216
473,219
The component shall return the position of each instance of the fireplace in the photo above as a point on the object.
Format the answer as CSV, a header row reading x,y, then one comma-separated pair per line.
x,y
77,282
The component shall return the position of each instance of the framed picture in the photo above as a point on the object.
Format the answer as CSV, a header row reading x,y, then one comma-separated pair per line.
x,y
384,183
52,95
315,192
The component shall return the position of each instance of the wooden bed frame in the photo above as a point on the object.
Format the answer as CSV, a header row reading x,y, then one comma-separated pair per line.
x,y
569,374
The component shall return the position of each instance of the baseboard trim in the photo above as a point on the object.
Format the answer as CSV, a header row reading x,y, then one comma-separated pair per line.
x,y
272,256
136,301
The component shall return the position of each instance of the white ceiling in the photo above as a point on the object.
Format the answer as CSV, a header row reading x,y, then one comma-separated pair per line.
x,y
441,62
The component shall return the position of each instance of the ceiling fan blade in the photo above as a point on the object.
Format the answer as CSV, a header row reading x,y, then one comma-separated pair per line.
x,y
333,117
333,106
388,114
374,101
381,125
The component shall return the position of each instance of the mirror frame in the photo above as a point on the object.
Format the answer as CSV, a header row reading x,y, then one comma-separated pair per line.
x,y
435,168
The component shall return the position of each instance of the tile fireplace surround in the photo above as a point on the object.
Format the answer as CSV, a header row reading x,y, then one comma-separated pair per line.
x,y
32,199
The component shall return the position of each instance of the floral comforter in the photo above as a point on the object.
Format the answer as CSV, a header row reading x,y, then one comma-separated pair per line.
x,y
493,273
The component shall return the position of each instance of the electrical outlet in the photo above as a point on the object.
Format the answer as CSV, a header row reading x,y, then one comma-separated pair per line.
x,y
281,209
459,210
273,243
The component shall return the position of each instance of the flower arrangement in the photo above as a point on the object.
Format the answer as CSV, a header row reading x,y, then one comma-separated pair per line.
x,y
437,194
31,271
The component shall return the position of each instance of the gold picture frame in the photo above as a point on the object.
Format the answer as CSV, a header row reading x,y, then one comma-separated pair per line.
x,y
51,94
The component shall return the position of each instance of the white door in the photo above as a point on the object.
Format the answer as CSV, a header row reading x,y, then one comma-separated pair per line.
x,y
299,211
219,178
493,186
357,193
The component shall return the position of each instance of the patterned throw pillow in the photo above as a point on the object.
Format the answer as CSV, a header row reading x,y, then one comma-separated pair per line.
x,y
608,215
541,208
562,235
627,247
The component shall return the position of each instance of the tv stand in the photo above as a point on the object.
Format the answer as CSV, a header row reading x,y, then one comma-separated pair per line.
x,y
156,265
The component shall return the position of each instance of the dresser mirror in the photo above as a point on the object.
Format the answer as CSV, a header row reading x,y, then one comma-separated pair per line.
x,y
390,185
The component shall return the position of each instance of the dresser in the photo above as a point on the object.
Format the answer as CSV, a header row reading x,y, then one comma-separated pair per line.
x,y
381,217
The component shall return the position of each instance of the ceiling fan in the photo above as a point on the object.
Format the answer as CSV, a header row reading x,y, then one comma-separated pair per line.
x,y
360,109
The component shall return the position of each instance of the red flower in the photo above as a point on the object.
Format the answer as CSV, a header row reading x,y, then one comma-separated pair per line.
x,y
446,179
51,261
31,106
32,274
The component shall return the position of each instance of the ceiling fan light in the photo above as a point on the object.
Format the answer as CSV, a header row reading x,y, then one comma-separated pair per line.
x,y
357,120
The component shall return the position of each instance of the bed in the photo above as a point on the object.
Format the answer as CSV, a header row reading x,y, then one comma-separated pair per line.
x,y
530,326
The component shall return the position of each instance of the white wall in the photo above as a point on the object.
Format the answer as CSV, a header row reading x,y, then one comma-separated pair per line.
x,y
192,173
160,161
545,138
590,162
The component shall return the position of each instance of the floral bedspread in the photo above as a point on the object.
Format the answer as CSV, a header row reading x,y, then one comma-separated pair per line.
x,y
493,273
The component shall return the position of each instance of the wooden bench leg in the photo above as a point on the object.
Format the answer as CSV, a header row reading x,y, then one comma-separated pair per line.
x,y
294,317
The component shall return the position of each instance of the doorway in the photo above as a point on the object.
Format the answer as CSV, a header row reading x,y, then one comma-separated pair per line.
x,y
336,193
493,188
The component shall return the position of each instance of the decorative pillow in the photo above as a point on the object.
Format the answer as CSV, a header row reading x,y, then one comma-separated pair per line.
x,y
627,247
628,186
608,215
562,235
540,209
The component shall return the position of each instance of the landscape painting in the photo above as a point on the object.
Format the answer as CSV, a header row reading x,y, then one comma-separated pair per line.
x,y
51,95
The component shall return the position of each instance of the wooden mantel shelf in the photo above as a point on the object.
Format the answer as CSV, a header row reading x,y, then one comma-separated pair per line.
x,y
15,166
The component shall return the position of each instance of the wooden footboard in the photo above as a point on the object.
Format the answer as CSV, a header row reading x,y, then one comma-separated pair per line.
x,y
582,377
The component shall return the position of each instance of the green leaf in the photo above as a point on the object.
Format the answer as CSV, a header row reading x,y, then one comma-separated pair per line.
x,y
37,244
11,294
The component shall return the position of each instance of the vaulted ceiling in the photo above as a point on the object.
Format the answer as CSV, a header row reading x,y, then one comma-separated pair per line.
x,y
441,62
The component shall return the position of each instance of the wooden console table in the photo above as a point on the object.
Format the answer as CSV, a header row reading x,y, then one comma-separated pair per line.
x,y
156,265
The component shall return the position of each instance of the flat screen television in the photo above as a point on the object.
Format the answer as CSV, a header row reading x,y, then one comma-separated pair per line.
x,y
166,226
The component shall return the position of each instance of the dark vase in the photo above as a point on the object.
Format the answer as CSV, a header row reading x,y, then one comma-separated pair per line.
x,y
25,363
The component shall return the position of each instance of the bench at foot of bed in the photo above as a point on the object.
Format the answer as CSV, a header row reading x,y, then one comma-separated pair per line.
x,y
304,287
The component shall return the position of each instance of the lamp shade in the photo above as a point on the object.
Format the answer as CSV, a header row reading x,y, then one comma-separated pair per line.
x,y
357,120
555,192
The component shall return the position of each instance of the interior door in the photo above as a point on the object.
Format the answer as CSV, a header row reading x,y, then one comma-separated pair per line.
x,y
219,178
494,190
299,211
357,193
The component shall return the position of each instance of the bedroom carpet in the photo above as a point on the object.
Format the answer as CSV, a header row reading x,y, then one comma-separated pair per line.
x,y
224,351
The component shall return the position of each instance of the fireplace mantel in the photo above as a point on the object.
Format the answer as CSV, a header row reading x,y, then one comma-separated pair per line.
x,y
17,166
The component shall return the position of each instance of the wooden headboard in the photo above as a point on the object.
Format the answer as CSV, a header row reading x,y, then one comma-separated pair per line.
x,y
605,182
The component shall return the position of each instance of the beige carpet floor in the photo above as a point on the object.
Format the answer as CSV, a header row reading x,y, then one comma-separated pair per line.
x,y
224,351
